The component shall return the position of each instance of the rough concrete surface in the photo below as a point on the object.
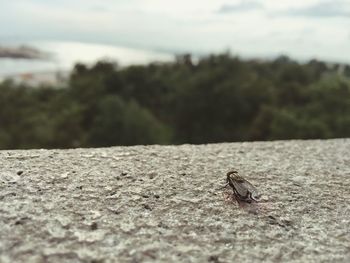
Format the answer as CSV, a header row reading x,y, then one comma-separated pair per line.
x,y
163,203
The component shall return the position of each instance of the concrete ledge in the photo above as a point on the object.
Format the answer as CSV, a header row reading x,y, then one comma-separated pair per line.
x,y
162,203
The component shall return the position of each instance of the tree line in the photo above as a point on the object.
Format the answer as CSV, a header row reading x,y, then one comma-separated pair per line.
x,y
217,98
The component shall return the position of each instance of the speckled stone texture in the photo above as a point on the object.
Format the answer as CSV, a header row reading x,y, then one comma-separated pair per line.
x,y
163,203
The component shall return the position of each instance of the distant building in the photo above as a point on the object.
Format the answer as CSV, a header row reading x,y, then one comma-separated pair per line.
x,y
52,79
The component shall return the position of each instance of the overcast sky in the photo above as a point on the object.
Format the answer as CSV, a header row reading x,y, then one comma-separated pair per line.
x,y
302,29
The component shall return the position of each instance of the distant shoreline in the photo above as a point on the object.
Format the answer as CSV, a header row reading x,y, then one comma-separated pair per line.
x,y
22,52
31,57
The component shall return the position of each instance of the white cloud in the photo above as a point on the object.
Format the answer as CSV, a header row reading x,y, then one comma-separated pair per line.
x,y
252,27
243,6
335,8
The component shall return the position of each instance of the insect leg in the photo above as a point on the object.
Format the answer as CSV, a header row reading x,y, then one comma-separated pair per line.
x,y
224,186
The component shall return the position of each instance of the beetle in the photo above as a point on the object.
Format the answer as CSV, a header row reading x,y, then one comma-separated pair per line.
x,y
242,189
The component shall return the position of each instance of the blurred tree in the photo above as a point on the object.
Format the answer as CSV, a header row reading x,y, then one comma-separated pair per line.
x,y
211,99
125,123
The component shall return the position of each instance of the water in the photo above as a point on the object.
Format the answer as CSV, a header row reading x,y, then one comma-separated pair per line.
x,y
64,55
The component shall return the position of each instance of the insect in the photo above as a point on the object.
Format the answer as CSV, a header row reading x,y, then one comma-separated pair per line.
x,y
242,189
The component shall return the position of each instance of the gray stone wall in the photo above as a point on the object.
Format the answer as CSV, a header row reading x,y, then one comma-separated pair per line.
x,y
164,203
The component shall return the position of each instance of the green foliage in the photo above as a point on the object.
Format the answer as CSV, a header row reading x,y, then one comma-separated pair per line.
x,y
218,98
127,124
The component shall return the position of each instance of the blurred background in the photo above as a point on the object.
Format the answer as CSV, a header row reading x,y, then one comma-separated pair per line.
x,y
89,73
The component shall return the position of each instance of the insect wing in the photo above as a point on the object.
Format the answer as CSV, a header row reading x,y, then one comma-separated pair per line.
x,y
240,189
254,194
245,190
